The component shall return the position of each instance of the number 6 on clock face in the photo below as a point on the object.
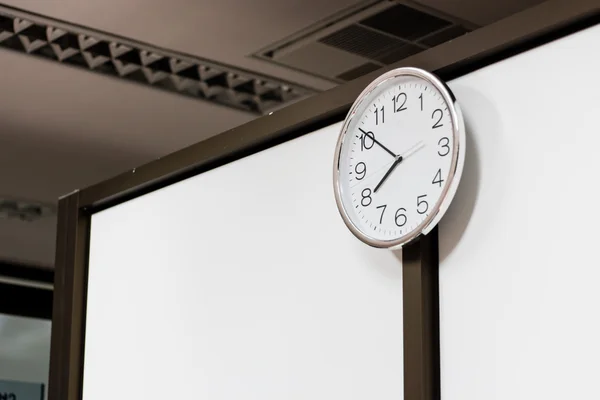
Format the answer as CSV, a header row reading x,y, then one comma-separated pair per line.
x,y
399,158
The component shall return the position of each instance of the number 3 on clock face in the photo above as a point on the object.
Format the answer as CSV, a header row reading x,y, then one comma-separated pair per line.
x,y
399,158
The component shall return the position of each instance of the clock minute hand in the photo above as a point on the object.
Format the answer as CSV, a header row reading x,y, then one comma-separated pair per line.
x,y
372,136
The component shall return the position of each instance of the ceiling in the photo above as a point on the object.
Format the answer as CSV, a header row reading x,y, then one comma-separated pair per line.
x,y
63,128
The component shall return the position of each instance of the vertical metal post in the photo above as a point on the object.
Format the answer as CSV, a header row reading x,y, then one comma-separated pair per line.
x,y
420,263
66,355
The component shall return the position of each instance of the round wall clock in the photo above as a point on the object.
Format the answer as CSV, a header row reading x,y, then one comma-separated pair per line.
x,y
399,158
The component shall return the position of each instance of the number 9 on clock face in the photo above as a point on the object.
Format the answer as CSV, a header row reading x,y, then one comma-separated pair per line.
x,y
399,158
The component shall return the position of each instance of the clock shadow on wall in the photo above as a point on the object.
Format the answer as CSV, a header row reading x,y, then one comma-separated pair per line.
x,y
456,220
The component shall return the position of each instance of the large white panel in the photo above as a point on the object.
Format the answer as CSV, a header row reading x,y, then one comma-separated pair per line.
x,y
519,259
242,283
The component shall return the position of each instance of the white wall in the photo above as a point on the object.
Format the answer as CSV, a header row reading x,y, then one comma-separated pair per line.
x,y
243,282
520,266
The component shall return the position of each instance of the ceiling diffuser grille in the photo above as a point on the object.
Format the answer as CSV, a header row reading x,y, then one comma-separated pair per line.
x,y
367,37
141,63
362,41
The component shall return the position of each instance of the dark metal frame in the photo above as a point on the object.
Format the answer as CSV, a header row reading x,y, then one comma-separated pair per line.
x,y
503,39
26,290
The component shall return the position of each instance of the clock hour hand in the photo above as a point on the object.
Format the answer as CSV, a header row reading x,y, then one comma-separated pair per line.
x,y
389,171
372,136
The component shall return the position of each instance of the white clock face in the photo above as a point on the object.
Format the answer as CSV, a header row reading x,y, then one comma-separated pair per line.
x,y
397,158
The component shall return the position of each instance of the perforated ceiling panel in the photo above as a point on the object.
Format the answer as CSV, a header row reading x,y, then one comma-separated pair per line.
x,y
144,64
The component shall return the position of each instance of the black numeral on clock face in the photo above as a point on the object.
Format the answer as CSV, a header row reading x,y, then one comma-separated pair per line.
x,y
367,141
379,115
400,217
437,179
383,207
366,197
437,114
361,170
445,148
399,102
422,205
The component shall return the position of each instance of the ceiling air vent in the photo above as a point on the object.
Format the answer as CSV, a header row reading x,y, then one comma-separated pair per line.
x,y
364,38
